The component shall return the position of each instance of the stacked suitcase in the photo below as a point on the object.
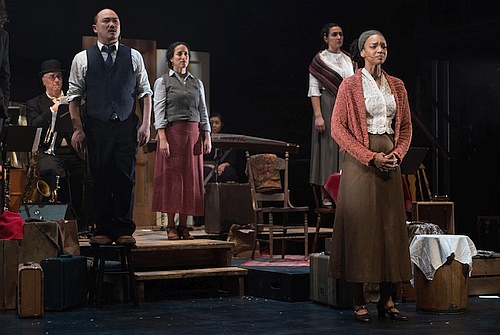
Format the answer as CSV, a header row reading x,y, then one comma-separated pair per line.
x,y
325,290
57,283
65,282
30,290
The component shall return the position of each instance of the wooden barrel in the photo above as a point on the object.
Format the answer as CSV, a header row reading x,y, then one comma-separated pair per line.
x,y
447,293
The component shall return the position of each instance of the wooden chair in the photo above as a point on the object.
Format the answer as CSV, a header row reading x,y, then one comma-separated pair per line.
x,y
321,214
268,179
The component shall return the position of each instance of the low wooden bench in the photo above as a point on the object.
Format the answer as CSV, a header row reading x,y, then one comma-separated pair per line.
x,y
231,277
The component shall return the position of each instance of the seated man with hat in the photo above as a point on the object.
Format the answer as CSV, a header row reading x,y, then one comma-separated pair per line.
x,y
55,151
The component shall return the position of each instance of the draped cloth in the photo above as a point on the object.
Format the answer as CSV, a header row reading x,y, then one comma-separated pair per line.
x,y
266,172
178,180
11,226
430,252
329,78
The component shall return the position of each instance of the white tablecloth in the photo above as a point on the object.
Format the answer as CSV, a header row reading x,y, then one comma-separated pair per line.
x,y
429,252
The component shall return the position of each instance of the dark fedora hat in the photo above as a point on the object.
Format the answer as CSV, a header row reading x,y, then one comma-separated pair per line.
x,y
51,65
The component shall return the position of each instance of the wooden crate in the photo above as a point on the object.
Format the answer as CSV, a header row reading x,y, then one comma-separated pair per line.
x,y
9,261
441,213
230,279
485,278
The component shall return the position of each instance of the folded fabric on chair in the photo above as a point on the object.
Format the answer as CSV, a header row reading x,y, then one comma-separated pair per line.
x,y
266,172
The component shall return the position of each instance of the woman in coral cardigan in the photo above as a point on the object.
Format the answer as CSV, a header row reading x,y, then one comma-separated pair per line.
x,y
371,121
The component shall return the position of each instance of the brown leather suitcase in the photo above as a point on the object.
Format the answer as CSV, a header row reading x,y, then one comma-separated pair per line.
x,y
30,290
326,290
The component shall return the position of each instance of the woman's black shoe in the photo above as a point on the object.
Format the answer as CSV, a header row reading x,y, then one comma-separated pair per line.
x,y
361,317
394,315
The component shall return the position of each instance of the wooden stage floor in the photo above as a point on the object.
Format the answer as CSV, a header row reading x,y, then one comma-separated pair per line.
x,y
243,315
248,315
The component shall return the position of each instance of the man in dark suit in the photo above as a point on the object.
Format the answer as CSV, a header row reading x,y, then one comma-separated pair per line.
x,y
55,152
111,77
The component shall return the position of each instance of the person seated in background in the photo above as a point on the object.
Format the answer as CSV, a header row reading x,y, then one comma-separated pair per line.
x,y
226,173
42,111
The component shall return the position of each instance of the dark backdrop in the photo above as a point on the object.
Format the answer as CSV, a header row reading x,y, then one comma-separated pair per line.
x,y
260,51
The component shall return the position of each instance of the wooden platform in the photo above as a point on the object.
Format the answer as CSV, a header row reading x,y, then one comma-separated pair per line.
x,y
157,259
230,279
163,266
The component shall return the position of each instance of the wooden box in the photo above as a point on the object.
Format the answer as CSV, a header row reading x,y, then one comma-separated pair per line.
x,y
284,283
41,240
485,277
9,255
441,213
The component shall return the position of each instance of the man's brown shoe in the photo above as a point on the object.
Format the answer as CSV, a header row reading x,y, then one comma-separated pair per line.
x,y
100,239
125,240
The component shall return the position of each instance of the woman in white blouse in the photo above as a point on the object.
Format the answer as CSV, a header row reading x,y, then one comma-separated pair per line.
x,y
372,122
327,70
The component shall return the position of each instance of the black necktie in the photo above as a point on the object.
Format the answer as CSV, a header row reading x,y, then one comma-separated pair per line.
x,y
109,59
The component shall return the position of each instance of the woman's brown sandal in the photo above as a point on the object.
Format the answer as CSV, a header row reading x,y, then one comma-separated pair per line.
x,y
183,232
172,233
